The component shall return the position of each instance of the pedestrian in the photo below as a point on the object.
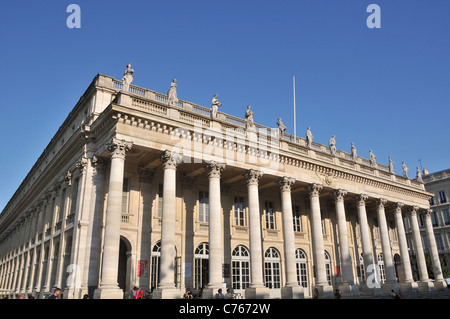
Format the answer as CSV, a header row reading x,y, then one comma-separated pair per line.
x,y
188,294
21,296
219,294
337,294
229,294
55,294
86,296
139,294
393,295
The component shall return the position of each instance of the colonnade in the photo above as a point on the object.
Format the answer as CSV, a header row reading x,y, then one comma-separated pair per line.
x,y
108,287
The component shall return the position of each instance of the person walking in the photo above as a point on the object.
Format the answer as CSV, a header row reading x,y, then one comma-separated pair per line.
x,y
55,294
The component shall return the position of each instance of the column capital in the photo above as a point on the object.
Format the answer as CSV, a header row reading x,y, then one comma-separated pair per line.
x,y
339,195
314,189
381,202
398,207
413,210
118,148
213,168
170,159
426,212
252,176
98,164
361,199
286,183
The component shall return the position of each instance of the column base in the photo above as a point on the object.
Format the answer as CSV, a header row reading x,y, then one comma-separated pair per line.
x,y
210,293
387,287
349,290
426,285
440,284
108,293
409,286
257,293
167,293
325,292
372,290
295,292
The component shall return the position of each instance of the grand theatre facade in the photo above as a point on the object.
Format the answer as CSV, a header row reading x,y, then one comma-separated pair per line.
x,y
139,189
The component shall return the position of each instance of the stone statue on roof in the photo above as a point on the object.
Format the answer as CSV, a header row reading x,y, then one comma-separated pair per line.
x,y
309,137
215,104
249,119
372,159
391,165
281,127
172,99
353,152
127,78
405,170
332,145
418,175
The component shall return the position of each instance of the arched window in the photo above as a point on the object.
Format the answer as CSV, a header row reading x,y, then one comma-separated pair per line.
x,y
201,258
362,270
156,253
381,268
302,268
272,268
240,267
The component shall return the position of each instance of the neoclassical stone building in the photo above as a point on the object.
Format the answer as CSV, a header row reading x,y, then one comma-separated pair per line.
x,y
139,188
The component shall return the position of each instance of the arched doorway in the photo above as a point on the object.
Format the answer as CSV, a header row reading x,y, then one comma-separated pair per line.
x,y
201,258
123,277
302,270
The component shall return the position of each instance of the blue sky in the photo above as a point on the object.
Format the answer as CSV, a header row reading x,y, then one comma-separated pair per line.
x,y
384,89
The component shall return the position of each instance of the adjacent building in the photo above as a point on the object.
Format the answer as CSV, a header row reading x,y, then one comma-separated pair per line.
x,y
438,184
139,188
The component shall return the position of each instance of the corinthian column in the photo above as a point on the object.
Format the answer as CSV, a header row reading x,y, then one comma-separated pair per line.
x,y
317,239
215,230
348,286
424,284
369,266
391,282
109,287
166,288
439,282
292,290
256,290
408,284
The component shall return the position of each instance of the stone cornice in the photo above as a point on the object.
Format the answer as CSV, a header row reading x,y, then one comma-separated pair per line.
x,y
328,174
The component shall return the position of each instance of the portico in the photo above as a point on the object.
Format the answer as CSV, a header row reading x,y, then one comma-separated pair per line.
x,y
204,202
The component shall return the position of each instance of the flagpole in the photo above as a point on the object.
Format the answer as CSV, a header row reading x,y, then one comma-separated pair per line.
x,y
295,119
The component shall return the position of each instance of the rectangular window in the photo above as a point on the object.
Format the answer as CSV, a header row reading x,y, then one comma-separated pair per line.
x,y
297,218
421,220
125,195
160,200
425,244
431,201
203,210
239,211
442,198
439,242
73,205
434,218
446,214
270,215
62,206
